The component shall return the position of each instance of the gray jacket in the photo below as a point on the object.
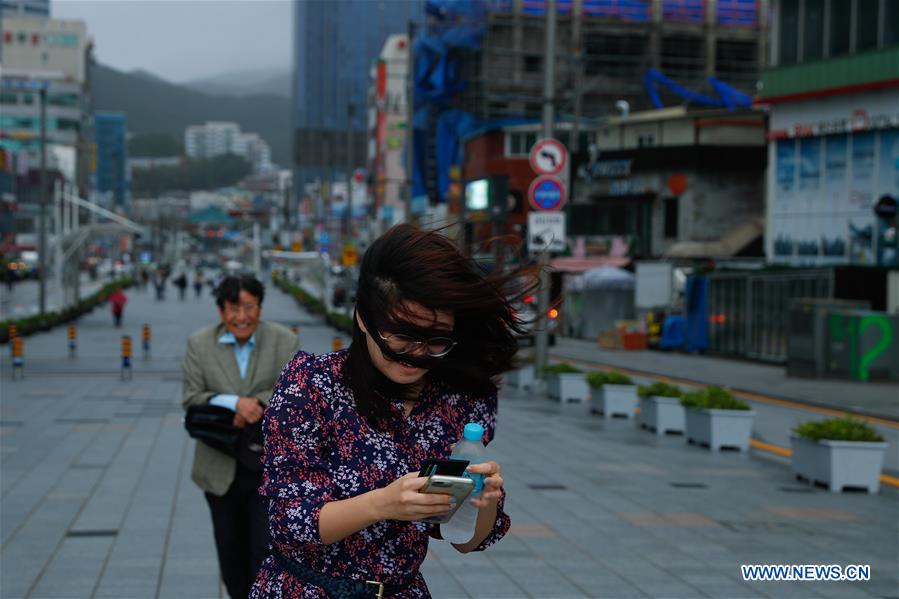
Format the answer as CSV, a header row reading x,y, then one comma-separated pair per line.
x,y
211,368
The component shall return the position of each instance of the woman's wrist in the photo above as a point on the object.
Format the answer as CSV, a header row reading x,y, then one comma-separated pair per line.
x,y
374,504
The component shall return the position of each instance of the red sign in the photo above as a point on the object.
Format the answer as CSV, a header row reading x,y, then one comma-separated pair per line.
x,y
548,157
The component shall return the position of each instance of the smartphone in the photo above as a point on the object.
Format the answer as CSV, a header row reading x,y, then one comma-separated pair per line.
x,y
458,487
444,467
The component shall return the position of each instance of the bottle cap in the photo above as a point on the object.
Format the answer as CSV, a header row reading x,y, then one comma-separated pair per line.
x,y
473,432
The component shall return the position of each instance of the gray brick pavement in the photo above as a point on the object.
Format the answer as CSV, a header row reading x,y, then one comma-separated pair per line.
x,y
97,499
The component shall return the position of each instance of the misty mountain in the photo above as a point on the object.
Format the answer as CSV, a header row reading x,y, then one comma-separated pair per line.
x,y
246,83
154,105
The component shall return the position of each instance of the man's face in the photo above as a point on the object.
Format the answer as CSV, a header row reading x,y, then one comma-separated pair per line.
x,y
242,318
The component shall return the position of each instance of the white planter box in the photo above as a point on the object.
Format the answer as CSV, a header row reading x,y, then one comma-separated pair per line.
x,y
662,415
522,378
568,387
720,428
838,464
615,400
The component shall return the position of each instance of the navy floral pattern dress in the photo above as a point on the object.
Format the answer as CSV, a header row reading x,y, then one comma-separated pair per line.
x,y
318,448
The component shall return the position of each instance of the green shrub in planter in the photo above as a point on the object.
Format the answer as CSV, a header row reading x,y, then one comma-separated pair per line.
x,y
713,398
597,379
838,429
563,368
659,390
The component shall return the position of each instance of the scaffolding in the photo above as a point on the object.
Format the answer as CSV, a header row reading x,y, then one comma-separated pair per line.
x,y
605,47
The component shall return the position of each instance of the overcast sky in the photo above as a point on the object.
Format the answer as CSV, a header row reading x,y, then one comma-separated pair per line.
x,y
184,40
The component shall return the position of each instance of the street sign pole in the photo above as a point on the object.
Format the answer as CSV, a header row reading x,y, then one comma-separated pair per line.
x,y
549,67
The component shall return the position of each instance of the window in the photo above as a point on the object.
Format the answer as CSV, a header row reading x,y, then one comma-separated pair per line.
x,y
533,63
890,23
28,98
866,25
62,100
515,144
646,140
68,125
840,23
8,98
683,57
671,218
789,26
813,32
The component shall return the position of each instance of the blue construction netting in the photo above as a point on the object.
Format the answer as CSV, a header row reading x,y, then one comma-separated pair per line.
x,y
728,12
728,97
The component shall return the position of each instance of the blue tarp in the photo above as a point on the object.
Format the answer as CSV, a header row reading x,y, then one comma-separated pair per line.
x,y
728,97
673,332
697,303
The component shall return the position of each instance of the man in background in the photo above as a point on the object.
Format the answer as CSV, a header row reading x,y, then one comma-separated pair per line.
x,y
234,364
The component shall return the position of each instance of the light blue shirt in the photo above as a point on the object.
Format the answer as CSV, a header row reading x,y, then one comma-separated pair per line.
x,y
242,353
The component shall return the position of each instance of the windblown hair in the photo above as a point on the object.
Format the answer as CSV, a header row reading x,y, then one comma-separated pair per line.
x,y
407,265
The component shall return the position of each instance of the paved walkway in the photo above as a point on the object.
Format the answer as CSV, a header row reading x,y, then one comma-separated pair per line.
x,y
97,500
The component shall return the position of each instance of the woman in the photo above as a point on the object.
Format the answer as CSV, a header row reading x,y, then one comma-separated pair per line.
x,y
346,432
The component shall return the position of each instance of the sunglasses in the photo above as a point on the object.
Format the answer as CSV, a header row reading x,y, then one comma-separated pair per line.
x,y
436,347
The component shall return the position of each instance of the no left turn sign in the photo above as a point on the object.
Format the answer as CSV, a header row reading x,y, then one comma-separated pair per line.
x,y
548,157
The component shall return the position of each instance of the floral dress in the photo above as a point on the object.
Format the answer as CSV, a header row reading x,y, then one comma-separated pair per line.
x,y
318,448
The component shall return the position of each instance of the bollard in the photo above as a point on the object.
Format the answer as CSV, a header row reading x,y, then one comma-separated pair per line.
x,y
73,340
13,331
337,344
146,340
296,331
126,356
18,363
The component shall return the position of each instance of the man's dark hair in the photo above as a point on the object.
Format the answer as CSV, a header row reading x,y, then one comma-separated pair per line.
x,y
231,286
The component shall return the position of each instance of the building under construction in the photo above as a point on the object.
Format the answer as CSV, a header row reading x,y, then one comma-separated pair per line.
x,y
606,48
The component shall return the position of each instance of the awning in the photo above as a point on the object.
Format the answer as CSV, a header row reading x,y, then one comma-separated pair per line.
x,y
585,264
726,246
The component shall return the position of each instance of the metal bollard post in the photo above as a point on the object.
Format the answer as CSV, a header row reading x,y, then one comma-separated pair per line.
x,y
337,344
73,340
126,356
147,338
18,363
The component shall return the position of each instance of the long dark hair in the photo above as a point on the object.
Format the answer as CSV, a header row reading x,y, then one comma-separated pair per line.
x,y
408,265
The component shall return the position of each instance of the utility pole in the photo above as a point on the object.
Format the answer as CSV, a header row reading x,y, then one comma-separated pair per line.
x,y
348,222
410,117
549,73
42,257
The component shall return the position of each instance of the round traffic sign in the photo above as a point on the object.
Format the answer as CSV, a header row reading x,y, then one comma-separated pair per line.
x,y
548,157
547,193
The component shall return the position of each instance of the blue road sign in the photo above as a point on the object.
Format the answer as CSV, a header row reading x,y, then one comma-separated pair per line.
x,y
547,193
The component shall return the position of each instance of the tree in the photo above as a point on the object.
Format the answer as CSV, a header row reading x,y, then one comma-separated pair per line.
x,y
154,145
191,175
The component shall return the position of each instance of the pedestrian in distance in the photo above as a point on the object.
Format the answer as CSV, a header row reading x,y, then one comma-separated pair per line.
x,y
234,364
117,301
159,284
181,283
144,277
347,432
198,282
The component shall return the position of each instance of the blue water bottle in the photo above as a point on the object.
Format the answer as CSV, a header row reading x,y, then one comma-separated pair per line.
x,y
461,528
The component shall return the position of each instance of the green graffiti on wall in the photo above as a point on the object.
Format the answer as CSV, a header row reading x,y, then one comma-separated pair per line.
x,y
851,330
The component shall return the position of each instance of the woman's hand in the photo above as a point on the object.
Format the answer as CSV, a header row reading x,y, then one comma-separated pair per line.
x,y
493,483
401,500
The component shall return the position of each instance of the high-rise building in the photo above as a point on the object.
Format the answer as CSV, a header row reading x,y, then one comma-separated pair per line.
x,y
217,138
41,44
112,157
31,8
833,150
335,44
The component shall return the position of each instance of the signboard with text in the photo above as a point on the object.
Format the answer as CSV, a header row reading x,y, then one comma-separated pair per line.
x,y
546,231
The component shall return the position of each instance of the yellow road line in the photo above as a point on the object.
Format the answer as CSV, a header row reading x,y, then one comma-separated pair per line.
x,y
741,394
785,453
